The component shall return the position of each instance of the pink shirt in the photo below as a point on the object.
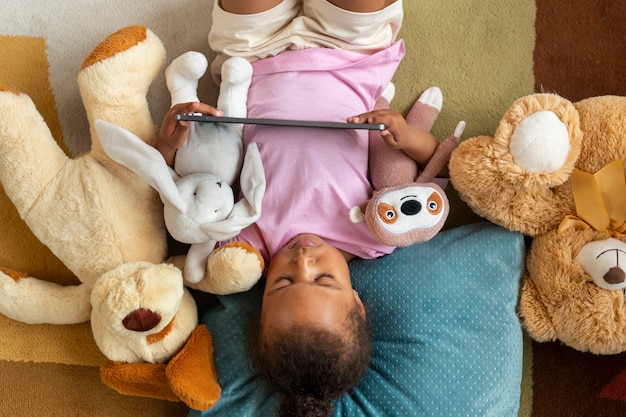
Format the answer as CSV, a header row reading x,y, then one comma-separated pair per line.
x,y
315,176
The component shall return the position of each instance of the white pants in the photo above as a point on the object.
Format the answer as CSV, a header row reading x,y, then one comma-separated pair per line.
x,y
298,24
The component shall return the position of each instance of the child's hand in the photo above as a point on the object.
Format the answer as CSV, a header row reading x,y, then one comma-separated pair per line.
x,y
397,134
174,132
416,143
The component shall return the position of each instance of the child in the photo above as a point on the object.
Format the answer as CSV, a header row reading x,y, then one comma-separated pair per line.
x,y
316,60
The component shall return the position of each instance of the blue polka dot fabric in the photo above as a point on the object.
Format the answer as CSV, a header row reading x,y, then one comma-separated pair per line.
x,y
447,338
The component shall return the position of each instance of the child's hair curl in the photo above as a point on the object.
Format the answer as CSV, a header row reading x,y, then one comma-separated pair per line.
x,y
309,367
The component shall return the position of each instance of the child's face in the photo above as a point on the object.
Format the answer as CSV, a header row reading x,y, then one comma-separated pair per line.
x,y
308,282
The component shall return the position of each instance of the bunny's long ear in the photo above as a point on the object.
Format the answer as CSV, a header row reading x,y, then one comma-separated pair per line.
x,y
129,150
248,209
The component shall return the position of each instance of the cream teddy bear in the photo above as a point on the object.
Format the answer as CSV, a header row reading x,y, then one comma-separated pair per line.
x,y
106,224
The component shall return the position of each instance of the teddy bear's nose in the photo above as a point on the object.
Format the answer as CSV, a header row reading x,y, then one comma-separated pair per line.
x,y
615,275
141,320
411,207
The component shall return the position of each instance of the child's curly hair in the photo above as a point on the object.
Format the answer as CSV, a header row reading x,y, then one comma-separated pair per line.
x,y
309,367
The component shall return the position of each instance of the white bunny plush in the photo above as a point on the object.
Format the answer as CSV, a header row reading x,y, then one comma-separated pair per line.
x,y
199,206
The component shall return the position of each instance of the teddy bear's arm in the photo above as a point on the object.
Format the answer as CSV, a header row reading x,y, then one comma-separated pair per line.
x,y
34,301
485,182
29,156
533,313
518,178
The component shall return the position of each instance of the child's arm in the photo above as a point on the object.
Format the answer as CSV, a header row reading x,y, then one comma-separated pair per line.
x,y
174,132
418,144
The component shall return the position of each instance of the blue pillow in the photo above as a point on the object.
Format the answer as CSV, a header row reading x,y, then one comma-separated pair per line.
x,y
447,338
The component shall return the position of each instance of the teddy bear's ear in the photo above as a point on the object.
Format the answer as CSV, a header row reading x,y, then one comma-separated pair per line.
x,y
533,313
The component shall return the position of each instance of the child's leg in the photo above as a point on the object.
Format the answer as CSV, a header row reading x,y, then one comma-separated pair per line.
x,y
238,30
362,6
364,26
247,6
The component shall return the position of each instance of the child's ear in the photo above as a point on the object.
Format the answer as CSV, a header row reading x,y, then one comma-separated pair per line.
x,y
359,303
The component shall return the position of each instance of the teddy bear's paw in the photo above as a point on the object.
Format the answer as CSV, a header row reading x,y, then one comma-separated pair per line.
x,y
600,259
25,141
17,112
33,301
533,313
540,143
540,138
182,76
115,78
138,379
232,268
192,373
125,39
142,312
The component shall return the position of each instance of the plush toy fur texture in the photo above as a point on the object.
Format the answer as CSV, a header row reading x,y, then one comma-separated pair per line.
x,y
406,207
199,203
573,290
105,224
173,381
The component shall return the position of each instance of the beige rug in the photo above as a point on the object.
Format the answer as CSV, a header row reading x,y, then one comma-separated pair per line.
x,y
480,53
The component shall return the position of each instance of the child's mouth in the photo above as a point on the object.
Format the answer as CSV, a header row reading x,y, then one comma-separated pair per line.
x,y
303,243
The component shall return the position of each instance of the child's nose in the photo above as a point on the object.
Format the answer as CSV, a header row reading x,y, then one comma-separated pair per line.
x,y
303,263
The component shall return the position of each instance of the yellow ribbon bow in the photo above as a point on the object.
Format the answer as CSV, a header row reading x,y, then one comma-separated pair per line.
x,y
600,200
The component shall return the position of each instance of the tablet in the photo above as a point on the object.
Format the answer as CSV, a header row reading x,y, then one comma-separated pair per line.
x,y
195,117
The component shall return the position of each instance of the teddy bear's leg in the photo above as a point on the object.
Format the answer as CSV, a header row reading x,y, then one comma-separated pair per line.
x,y
190,376
540,143
192,373
182,76
33,301
138,379
114,80
29,156
231,268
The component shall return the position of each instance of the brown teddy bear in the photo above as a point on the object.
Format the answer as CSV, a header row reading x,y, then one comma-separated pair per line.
x,y
554,171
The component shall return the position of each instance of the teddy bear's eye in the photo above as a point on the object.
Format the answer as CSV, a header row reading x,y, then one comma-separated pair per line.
x,y
387,213
435,203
